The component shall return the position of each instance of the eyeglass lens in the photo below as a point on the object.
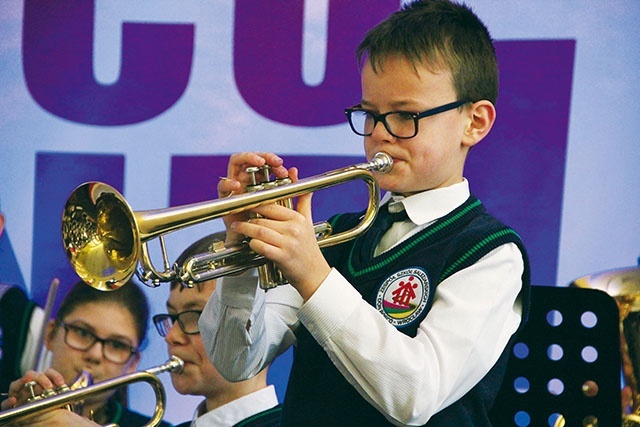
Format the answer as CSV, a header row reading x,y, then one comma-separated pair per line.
x,y
187,320
81,339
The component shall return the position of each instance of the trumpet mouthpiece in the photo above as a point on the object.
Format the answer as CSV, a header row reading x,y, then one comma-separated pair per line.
x,y
382,162
174,364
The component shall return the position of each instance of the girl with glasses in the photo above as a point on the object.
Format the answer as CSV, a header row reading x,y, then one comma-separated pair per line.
x,y
95,332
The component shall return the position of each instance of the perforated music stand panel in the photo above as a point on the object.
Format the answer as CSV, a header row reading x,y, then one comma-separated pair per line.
x,y
565,362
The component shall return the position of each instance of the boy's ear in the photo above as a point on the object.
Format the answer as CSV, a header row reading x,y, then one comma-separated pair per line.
x,y
482,115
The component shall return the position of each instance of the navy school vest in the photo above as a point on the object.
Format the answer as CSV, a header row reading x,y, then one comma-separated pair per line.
x,y
400,283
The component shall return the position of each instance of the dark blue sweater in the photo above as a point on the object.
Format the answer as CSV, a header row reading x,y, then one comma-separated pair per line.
x,y
400,283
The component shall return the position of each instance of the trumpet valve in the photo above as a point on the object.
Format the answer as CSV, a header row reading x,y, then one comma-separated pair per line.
x,y
62,389
256,183
45,393
260,178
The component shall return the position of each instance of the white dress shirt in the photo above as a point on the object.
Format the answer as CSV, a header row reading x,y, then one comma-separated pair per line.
x,y
475,312
237,410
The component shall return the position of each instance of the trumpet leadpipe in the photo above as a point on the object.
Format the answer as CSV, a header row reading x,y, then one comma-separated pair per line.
x,y
153,223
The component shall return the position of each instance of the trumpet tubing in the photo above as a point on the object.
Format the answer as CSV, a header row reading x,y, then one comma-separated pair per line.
x,y
62,400
106,240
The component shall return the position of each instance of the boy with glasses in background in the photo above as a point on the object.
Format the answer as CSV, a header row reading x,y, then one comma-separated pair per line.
x,y
250,403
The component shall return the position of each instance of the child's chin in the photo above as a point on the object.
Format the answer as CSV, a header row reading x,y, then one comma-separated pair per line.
x,y
391,184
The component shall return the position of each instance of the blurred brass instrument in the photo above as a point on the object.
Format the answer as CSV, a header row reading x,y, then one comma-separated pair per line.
x,y
66,398
623,285
105,240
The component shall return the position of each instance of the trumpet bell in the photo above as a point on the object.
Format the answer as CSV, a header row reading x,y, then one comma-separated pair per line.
x,y
100,236
623,284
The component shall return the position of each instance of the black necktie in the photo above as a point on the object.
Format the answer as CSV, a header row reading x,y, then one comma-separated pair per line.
x,y
382,223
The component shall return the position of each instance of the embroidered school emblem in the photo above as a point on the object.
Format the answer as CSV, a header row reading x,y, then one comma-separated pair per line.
x,y
403,296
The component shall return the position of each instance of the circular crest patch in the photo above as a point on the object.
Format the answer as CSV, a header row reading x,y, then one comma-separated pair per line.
x,y
403,296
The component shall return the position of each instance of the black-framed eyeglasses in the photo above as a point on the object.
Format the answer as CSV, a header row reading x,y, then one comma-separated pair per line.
x,y
400,124
187,320
79,338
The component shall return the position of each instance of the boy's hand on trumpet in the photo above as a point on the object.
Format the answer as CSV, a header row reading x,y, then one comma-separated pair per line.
x,y
238,179
19,392
282,235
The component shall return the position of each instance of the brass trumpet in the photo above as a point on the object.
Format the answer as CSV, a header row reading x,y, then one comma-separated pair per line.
x,y
43,404
105,240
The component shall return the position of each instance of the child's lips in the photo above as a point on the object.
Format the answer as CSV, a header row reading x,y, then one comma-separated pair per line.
x,y
186,360
397,161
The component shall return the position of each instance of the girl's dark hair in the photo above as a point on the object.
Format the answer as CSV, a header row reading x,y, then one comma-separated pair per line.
x,y
129,296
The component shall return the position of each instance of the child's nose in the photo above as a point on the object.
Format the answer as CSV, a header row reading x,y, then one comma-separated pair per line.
x,y
380,131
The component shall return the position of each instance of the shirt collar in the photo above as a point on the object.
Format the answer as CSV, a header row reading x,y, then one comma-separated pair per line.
x,y
430,205
237,410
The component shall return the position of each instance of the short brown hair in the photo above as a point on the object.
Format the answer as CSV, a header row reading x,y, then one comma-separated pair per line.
x,y
438,34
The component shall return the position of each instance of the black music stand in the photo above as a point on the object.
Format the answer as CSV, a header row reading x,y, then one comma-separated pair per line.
x,y
572,339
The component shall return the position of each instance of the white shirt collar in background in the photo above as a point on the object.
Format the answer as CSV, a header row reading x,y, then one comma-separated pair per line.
x,y
237,410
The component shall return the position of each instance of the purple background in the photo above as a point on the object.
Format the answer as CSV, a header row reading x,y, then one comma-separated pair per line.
x,y
517,171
